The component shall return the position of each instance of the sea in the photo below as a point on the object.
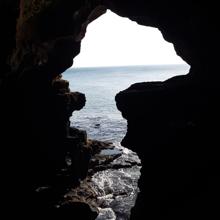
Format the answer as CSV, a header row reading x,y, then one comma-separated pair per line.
x,y
102,121
100,116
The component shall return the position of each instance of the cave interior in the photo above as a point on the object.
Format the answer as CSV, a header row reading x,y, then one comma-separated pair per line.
x,y
178,144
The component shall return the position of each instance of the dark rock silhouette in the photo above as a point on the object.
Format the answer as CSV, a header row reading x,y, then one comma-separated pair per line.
x,y
176,146
171,124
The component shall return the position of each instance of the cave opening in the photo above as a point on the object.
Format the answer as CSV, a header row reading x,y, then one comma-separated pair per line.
x,y
116,53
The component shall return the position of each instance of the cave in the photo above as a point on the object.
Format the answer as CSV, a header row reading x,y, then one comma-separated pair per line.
x,y
178,144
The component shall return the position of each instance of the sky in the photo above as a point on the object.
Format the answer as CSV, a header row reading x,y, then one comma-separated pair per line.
x,y
115,41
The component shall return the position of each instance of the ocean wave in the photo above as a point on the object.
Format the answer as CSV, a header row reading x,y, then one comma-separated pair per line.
x,y
116,200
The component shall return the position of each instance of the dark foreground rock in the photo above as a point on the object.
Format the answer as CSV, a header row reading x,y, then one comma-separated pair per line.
x,y
99,196
176,142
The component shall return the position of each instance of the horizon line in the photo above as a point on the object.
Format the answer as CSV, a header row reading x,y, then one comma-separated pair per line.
x,y
135,65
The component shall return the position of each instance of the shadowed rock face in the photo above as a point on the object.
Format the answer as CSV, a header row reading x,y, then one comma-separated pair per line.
x,y
171,124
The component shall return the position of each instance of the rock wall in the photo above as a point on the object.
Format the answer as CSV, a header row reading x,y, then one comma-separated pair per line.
x,y
171,124
36,104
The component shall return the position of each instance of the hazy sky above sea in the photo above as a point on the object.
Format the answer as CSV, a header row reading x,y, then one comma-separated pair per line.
x,y
115,41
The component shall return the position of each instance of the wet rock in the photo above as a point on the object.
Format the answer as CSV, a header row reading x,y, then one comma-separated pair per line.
x,y
101,189
97,146
97,126
106,213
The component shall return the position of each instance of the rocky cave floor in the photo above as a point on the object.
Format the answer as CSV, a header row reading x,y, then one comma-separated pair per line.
x,y
108,192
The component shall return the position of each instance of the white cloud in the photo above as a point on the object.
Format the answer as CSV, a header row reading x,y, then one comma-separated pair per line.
x,y
115,41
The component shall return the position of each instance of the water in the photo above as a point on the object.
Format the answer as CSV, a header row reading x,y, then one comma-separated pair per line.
x,y
100,117
116,200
